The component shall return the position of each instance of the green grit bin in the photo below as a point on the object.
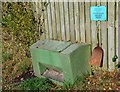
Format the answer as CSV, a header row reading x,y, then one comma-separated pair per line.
x,y
60,61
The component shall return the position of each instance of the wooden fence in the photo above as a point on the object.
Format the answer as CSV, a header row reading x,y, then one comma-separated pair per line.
x,y
71,21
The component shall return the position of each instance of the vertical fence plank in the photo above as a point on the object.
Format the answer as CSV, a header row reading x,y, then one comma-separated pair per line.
x,y
118,33
82,22
46,30
53,21
36,4
59,37
87,13
93,30
44,17
34,9
66,7
62,20
42,24
77,21
104,40
39,16
50,20
71,14
111,34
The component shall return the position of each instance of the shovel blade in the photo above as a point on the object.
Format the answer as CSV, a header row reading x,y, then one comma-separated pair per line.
x,y
97,57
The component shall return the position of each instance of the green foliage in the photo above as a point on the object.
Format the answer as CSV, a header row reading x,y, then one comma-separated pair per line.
x,y
114,58
18,17
69,86
7,56
19,33
118,65
36,84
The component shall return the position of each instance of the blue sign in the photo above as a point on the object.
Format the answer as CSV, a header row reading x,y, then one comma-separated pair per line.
x,y
98,13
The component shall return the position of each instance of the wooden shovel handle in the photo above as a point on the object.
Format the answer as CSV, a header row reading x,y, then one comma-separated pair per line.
x,y
98,34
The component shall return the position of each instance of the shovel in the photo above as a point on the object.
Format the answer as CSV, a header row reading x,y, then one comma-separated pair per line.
x,y
97,54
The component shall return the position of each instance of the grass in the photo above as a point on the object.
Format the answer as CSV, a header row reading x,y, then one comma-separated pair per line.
x,y
45,84
35,84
